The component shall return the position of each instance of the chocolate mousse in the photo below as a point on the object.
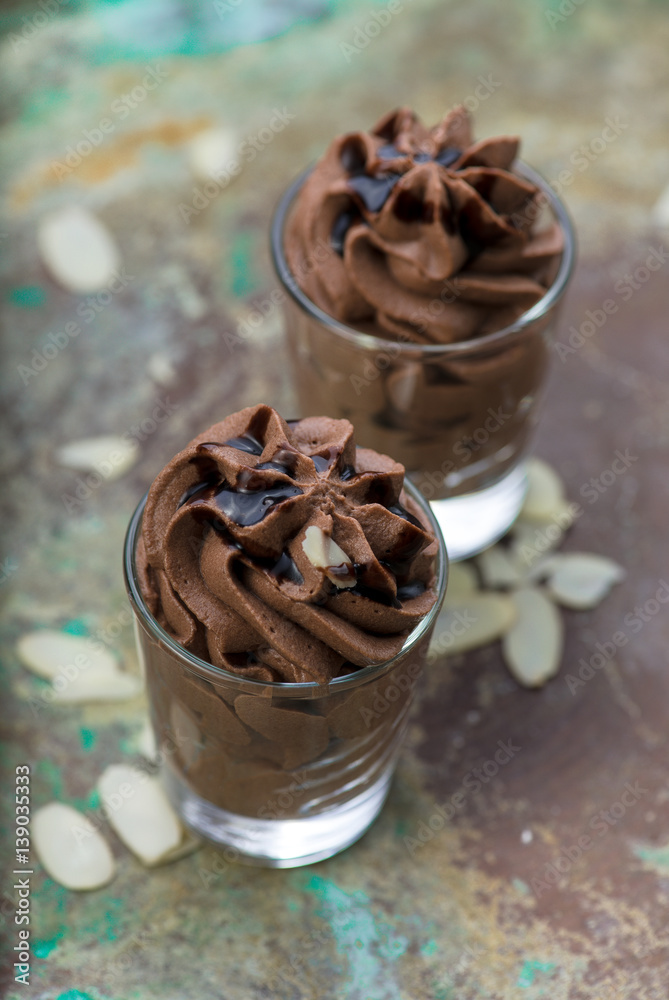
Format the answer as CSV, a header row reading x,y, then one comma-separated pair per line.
x,y
415,215
281,553
434,240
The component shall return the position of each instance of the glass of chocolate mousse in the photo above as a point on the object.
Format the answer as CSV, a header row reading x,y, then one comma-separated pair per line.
x,y
422,274
285,585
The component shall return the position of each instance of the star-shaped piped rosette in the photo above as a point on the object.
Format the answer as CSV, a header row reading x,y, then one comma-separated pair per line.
x,y
433,237
281,552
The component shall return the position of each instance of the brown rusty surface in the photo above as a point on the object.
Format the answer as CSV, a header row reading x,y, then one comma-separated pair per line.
x,y
507,900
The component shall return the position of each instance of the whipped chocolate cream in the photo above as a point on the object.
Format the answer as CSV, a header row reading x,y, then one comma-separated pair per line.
x,y
280,552
433,235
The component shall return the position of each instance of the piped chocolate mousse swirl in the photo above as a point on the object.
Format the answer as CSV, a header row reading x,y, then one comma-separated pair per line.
x,y
434,239
281,552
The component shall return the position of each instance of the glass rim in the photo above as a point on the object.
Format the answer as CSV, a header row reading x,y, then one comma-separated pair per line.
x,y
287,688
372,341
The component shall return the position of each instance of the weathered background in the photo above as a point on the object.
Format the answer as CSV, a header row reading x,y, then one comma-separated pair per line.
x,y
475,912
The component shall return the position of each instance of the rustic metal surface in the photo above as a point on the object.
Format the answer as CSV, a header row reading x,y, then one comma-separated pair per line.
x,y
507,900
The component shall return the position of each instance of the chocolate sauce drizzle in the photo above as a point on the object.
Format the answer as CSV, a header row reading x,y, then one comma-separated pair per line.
x,y
373,191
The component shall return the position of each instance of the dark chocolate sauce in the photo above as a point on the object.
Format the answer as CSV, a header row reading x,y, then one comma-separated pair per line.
x,y
373,191
326,461
245,506
378,596
400,559
353,155
447,156
388,152
200,487
249,506
252,440
285,568
347,472
401,511
341,226
245,442
284,460
409,590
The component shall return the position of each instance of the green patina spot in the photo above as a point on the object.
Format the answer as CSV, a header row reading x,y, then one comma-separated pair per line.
x,y
526,977
658,857
360,939
243,254
88,738
28,296
74,995
93,799
48,772
76,626
521,886
42,949
429,948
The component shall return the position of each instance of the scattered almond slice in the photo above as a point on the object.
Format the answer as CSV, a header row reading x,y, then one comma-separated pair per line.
x,y
532,648
91,686
498,568
581,580
545,492
531,543
71,850
140,812
462,581
77,250
212,153
50,653
475,620
109,455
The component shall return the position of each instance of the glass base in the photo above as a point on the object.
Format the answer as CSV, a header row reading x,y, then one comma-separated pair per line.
x,y
473,521
280,843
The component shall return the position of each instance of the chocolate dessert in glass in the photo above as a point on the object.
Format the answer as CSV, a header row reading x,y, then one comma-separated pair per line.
x,y
423,273
285,584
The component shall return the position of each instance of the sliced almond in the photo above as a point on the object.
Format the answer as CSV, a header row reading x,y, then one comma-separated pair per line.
x,y
324,553
93,686
78,250
498,568
71,850
531,543
50,653
474,621
545,492
109,455
462,581
582,579
140,812
212,154
532,649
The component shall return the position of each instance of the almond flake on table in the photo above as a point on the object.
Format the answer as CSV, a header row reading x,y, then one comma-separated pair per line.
x,y
71,850
212,153
78,250
140,813
48,652
109,455
474,620
532,648
545,492
580,580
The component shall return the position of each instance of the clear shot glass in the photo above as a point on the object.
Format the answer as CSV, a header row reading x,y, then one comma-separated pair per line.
x,y
281,774
458,416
